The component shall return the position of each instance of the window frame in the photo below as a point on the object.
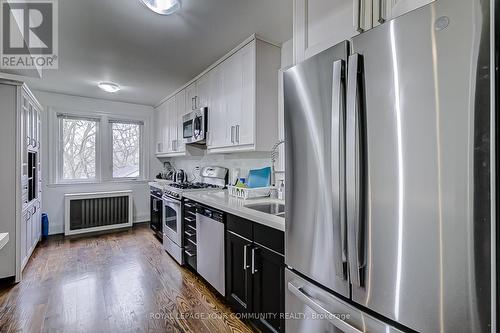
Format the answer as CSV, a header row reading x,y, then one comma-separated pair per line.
x,y
104,146
60,160
120,120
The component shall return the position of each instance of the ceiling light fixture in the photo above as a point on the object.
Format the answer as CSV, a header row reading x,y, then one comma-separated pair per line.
x,y
109,87
163,7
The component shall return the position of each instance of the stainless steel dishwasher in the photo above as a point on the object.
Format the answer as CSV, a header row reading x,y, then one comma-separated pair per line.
x,y
210,247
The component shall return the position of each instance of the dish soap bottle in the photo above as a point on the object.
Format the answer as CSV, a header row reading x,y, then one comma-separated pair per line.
x,y
281,190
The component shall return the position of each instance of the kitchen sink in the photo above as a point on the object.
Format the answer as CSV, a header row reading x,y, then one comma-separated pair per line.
x,y
269,208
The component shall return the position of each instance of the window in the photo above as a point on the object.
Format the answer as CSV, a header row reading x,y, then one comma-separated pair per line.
x,y
78,148
126,138
99,149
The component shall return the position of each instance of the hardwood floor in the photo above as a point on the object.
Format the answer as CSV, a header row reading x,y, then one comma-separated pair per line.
x,y
119,282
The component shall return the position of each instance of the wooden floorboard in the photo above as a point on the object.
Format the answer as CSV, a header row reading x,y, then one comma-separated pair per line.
x,y
116,282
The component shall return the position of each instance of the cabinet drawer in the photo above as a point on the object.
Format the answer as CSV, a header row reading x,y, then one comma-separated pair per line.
x,y
240,226
269,237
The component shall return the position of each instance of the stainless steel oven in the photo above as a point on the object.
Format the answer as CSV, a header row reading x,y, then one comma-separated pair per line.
x,y
173,228
194,126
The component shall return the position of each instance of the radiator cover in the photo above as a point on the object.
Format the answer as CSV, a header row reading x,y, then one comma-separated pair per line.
x,y
90,212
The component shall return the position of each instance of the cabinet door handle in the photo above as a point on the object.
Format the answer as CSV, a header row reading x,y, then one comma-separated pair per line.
x,y
238,133
232,134
254,270
381,11
245,266
193,103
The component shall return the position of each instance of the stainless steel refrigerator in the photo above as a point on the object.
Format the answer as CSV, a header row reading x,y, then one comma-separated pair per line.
x,y
388,178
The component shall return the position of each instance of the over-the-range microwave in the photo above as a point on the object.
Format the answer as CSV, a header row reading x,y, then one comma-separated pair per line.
x,y
194,126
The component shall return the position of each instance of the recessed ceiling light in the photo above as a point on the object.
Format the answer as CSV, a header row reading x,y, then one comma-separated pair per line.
x,y
109,86
163,7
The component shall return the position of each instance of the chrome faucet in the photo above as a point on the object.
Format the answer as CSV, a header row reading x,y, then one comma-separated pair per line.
x,y
274,156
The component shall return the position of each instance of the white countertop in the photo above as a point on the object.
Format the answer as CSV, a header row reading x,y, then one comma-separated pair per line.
x,y
220,199
160,183
4,239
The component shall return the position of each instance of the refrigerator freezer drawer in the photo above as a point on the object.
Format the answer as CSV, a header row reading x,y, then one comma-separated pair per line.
x,y
310,308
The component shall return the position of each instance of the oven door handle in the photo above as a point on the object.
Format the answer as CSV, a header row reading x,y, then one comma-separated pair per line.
x,y
177,203
156,197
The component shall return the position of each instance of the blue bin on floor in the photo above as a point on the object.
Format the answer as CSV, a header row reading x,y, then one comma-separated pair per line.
x,y
45,225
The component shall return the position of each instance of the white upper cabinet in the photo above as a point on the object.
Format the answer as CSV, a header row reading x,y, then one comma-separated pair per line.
x,y
241,94
203,91
191,96
217,133
167,113
320,24
180,108
243,106
168,126
173,121
245,126
158,119
198,93
384,10
232,81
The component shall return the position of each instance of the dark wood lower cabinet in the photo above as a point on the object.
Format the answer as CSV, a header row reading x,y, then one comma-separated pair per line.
x,y
255,279
238,277
268,289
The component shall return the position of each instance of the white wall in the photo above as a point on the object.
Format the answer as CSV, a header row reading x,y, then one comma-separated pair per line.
x,y
53,195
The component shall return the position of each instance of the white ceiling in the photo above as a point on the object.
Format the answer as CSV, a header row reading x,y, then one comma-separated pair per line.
x,y
150,55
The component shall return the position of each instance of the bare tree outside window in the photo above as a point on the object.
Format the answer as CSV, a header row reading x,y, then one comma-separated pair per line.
x,y
126,150
79,148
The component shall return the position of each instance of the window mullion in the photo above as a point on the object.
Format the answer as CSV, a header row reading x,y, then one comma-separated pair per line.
x,y
105,147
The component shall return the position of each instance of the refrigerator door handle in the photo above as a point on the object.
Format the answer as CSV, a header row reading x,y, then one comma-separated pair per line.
x,y
354,174
316,305
337,162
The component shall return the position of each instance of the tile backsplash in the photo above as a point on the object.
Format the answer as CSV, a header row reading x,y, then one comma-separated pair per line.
x,y
242,161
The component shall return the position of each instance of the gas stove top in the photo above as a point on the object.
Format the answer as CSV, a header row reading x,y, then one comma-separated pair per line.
x,y
175,190
192,186
211,177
